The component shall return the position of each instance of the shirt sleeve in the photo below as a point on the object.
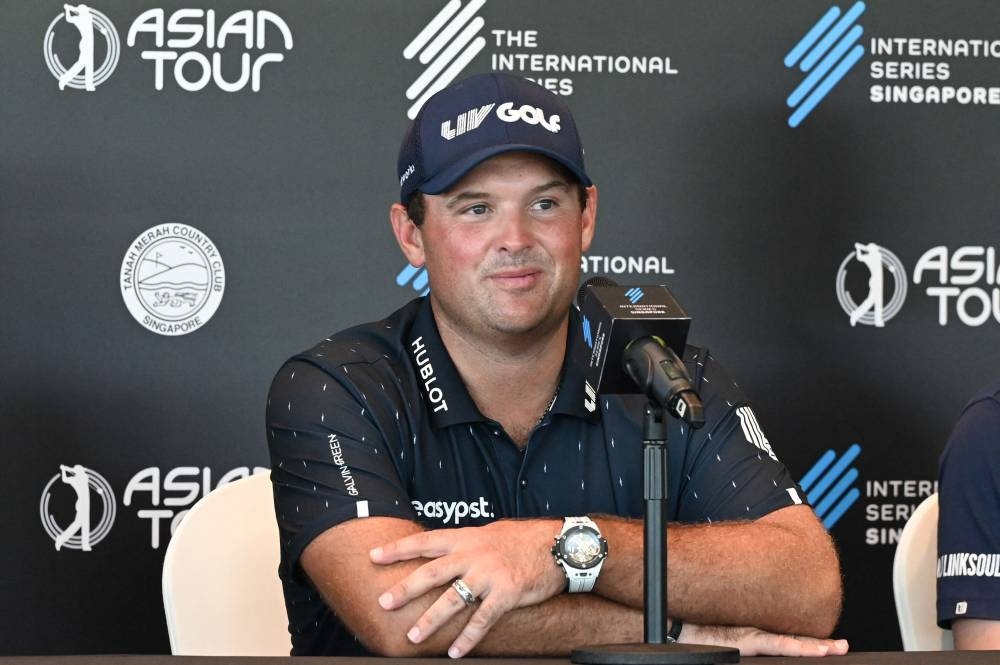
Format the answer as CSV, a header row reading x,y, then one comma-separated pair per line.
x,y
731,472
968,570
335,439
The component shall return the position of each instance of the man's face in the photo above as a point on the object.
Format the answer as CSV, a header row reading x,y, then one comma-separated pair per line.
x,y
502,247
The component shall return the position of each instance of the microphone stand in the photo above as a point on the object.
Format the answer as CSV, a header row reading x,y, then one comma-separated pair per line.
x,y
655,650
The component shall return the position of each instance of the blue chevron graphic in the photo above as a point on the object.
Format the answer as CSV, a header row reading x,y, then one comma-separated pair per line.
x,y
586,333
418,277
634,294
828,485
827,52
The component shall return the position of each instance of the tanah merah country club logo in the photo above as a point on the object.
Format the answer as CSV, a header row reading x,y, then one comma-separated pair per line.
x,y
825,54
77,508
882,265
172,279
80,71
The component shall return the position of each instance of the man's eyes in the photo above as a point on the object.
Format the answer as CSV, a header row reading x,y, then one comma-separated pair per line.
x,y
477,209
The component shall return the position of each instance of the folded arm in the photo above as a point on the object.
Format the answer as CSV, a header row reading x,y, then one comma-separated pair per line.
x,y
779,572
340,565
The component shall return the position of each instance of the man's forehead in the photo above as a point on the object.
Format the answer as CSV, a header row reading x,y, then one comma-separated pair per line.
x,y
515,165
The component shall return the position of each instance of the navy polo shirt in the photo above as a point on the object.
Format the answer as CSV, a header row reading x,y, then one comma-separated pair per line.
x,y
968,570
375,421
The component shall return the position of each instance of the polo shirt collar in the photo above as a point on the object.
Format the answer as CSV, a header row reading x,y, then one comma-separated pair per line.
x,y
442,391
573,398
445,396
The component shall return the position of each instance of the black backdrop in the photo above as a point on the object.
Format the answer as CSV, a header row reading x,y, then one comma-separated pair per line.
x,y
272,210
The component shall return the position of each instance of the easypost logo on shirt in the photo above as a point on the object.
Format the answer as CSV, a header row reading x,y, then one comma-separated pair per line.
x,y
453,512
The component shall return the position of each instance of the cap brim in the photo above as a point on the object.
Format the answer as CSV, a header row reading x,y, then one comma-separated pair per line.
x,y
444,180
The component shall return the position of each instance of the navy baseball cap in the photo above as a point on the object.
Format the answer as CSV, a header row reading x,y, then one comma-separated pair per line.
x,y
482,116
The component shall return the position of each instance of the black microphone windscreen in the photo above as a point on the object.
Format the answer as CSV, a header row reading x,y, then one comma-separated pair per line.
x,y
599,280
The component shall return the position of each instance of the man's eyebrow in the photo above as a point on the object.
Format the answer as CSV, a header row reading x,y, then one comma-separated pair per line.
x,y
464,196
552,184
461,197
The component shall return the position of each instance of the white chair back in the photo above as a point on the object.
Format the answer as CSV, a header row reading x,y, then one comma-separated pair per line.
x,y
221,592
914,581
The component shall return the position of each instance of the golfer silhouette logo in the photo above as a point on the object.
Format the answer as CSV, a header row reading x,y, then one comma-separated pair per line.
x,y
81,533
873,310
82,75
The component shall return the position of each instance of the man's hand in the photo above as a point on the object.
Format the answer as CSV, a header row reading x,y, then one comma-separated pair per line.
x,y
757,642
506,564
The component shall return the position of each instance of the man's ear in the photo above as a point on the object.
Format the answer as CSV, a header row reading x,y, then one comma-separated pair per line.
x,y
407,234
589,219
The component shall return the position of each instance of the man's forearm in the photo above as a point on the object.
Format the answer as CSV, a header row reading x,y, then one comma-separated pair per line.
x,y
352,585
551,628
774,573
561,624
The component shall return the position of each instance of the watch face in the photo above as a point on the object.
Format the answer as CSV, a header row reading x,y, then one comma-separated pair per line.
x,y
582,548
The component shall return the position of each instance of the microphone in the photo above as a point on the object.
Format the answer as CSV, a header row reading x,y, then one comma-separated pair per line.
x,y
634,337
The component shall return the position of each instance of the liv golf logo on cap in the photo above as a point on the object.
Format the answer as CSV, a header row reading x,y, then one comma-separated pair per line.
x,y
172,279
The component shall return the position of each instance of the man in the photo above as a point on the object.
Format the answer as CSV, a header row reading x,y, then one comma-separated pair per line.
x,y
425,464
969,525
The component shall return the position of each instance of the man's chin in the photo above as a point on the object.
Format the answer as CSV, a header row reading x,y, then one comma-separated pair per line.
x,y
524,323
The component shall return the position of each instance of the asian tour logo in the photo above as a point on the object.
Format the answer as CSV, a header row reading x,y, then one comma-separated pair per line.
x,y
873,309
829,485
446,46
195,39
826,53
172,279
188,43
91,519
82,74
964,281
588,336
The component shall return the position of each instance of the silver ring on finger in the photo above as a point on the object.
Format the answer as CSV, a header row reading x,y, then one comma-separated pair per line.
x,y
464,592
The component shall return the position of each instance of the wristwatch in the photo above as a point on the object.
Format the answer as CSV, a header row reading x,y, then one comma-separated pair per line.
x,y
580,550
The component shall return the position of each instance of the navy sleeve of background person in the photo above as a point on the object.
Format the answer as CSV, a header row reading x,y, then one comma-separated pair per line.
x,y
729,470
968,569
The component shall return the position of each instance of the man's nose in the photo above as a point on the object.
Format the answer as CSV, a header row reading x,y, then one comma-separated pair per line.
x,y
515,231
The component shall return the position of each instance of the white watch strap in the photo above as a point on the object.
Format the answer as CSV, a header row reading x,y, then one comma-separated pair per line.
x,y
583,581
580,581
570,522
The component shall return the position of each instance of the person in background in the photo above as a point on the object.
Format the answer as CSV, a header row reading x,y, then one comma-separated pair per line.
x,y
968,571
